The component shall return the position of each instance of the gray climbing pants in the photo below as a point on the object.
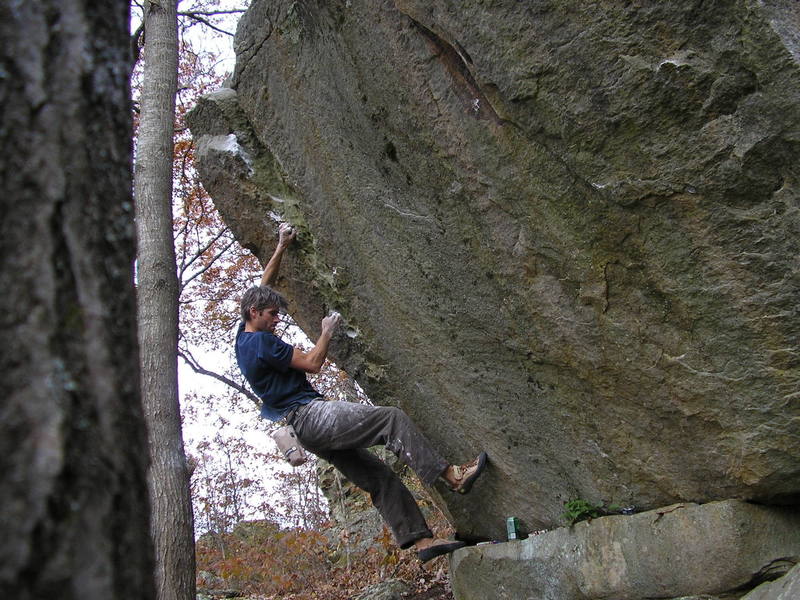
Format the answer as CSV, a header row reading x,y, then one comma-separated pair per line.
x,y
340,432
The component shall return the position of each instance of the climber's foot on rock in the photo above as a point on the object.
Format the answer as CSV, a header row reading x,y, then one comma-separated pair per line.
x,y
461,477
430,548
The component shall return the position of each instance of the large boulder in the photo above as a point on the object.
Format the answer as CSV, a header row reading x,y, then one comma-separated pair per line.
x,y
716,548
563,232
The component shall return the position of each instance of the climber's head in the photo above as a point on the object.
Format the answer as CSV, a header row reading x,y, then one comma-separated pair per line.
x,y
262,303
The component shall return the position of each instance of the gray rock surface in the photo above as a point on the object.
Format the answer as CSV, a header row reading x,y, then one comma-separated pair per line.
x,y
391,589
564,232
355,522
785,588
680,550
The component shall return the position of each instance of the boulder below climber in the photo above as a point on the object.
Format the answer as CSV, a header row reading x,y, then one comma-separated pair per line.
x,y
679,550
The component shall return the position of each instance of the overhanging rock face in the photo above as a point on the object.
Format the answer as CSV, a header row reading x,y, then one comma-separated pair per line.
x,y
567,233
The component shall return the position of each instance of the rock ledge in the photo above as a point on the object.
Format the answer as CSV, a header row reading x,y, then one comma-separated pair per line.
x,y
679,550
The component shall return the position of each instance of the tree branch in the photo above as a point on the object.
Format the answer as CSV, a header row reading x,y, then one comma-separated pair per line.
x,y
202,250
195,16
211,13
176,237
195,366
183,284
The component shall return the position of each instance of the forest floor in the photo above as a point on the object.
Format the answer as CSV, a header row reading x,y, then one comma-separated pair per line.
x,y
261,561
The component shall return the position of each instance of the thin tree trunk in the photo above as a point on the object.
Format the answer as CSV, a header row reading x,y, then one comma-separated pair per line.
x,y
73,456
157,289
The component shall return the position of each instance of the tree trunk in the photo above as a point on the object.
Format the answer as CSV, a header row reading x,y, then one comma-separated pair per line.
x,y
72,438
158,307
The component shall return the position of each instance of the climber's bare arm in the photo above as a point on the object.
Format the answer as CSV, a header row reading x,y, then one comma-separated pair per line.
x,y
285,237
312,361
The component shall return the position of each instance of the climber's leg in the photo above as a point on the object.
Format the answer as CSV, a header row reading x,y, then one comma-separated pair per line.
x,y
348,425
390,496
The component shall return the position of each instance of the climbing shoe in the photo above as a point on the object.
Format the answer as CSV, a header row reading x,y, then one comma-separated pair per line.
x,y
438,549
465,475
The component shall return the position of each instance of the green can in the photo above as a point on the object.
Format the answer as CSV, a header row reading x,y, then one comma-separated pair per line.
x,y
512,528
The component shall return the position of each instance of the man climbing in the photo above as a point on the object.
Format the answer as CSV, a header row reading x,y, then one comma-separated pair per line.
x,y
340,432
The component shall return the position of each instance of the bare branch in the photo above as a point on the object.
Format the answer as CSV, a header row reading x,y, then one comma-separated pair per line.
x,y
202,250
182,232
211,13
186,158
195,16
208,266
195,366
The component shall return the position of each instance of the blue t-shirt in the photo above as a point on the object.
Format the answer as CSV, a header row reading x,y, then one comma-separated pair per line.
x,y
264,361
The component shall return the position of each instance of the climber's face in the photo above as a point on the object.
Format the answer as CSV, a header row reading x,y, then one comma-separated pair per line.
x,y
266,319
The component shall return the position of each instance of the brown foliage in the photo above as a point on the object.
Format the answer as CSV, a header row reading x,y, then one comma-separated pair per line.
x,y
297,564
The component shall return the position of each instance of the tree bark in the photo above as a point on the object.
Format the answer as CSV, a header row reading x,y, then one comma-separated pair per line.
x,y
72,438
157,287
